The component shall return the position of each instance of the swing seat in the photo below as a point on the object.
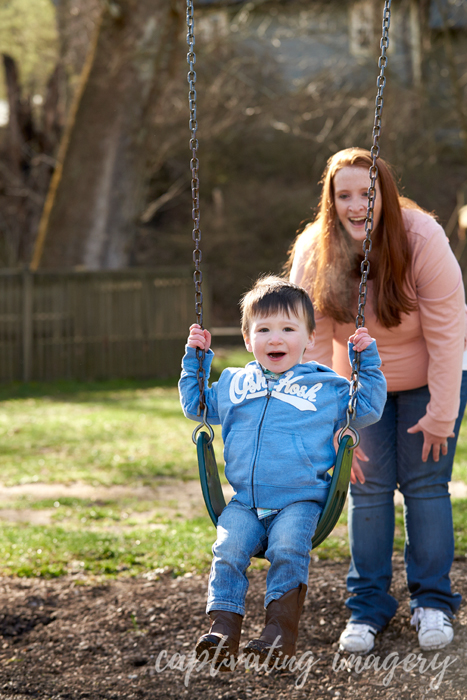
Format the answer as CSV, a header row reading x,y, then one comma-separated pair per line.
x,y
215,501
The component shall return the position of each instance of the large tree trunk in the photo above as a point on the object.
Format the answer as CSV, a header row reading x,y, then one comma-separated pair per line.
x,y
97,192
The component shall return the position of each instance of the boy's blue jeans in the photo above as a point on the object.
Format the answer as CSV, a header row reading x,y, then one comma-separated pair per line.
x,y
395,462
286,539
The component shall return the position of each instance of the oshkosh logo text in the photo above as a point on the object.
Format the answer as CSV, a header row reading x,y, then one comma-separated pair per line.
x,y
251,384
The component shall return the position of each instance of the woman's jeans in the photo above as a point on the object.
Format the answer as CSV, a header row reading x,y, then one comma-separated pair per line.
x,y
395,462
286,540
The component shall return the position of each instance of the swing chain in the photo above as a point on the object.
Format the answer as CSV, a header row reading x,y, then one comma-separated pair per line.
x,y
194,165
373,172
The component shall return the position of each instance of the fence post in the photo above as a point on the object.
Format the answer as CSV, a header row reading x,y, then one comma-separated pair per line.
x,y
27,323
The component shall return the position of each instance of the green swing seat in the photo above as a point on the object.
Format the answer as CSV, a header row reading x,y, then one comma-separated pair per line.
x,y
215,501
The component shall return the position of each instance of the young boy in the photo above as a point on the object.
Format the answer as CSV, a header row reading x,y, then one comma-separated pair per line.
x,y
278,418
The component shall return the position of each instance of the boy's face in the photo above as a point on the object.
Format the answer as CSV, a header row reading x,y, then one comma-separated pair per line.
x,y
278,341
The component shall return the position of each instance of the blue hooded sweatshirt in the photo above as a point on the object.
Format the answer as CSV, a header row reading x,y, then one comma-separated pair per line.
x,y
278,440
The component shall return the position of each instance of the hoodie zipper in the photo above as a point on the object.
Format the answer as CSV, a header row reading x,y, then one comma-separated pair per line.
x,y
268,396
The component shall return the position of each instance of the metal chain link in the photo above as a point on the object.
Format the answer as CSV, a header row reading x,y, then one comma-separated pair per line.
x,y
194,165
365,266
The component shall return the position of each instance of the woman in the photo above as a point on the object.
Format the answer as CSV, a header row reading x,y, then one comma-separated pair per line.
x,y
415,311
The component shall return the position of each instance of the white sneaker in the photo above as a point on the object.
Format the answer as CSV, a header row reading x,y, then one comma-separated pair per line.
x,y
357,637
434,628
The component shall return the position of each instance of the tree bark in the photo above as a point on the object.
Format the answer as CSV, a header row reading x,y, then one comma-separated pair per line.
x,y
97,199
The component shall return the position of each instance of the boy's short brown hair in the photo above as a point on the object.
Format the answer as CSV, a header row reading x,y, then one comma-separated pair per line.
x,y
270,295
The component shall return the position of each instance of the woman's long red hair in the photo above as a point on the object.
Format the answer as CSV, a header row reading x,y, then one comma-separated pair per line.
x,y
332,269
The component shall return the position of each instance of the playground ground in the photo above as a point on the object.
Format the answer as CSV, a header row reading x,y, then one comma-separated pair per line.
x,y
131,638
100,508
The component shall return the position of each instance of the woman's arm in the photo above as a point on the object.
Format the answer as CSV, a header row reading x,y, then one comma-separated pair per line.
x,y
440,296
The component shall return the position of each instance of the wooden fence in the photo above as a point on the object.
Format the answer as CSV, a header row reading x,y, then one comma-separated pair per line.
x,y
93,325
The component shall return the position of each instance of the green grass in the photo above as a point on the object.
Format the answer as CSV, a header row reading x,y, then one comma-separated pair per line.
x,y
105,541
459,473
116,432
100,436
234,357
104,538
459,513
176,545
336,545
120,432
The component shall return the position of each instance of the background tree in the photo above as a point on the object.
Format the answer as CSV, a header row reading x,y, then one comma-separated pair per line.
x,y
281,86
98,189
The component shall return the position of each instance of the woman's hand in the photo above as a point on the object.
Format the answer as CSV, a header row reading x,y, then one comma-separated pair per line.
x,y
199,338
431,441
356,473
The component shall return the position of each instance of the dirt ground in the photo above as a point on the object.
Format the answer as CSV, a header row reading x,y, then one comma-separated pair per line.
x,y
70,638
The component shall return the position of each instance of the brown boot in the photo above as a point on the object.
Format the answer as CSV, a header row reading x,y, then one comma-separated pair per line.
x,y
282,618
224,624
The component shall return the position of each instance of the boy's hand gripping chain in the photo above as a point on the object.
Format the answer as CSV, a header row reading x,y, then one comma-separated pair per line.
x,y
365,266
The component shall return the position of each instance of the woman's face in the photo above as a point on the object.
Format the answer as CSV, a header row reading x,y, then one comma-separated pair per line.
x,y
351,200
